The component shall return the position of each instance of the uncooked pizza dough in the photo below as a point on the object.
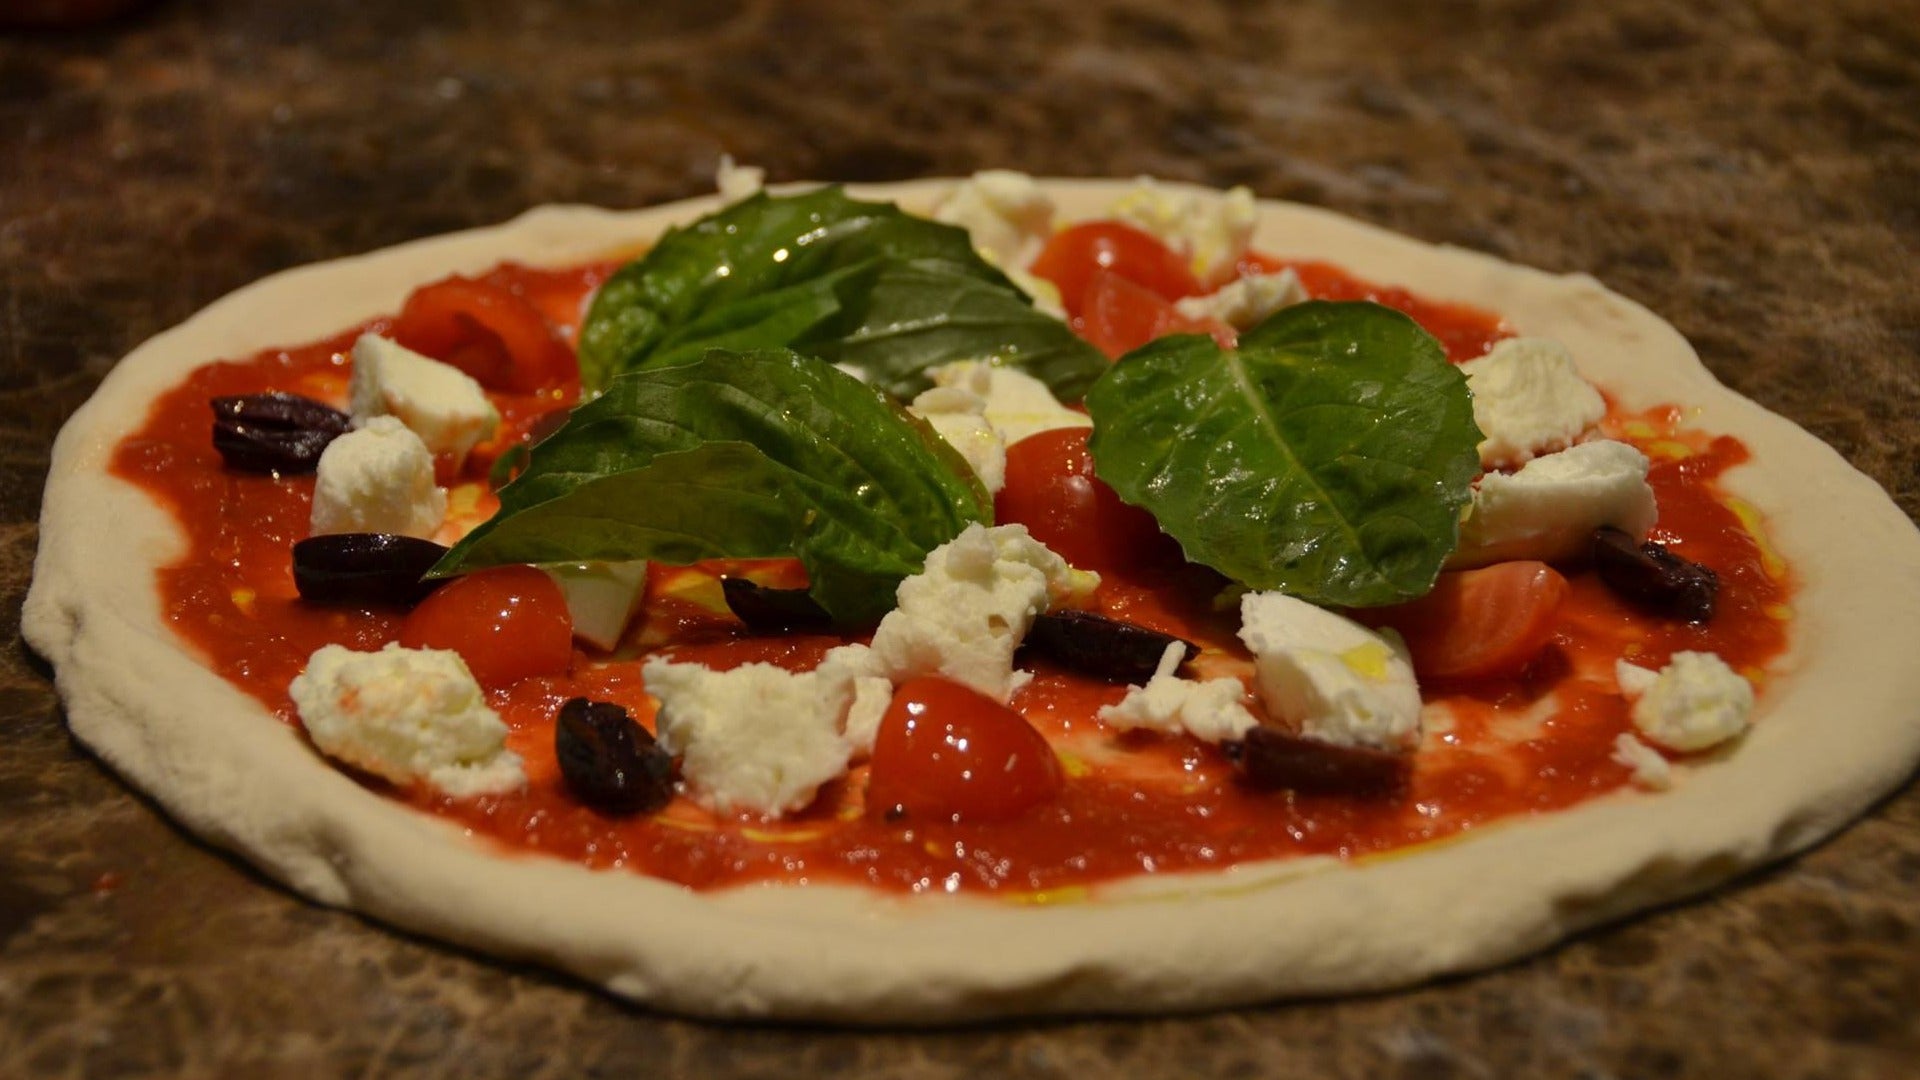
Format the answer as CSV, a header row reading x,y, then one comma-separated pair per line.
x,y
1838,724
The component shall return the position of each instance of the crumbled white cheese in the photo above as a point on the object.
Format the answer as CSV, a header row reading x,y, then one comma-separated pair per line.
x,y
957,411
738,182
1339,681
1213,229
1550,507
601,597
1017,404
406,715
377,479
757,737
1005,213
1694,703
1529,399
1213,710
442,404
1650,770
964,614
1244,301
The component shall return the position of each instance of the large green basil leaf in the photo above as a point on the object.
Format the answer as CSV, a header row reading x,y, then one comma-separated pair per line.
x,y
1329,455
739,455
863,283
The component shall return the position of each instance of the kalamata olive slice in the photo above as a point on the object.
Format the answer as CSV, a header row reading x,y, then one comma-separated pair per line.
x,y
1653,577
608,761
364,569
1278,760
1119,652
274,432
774,611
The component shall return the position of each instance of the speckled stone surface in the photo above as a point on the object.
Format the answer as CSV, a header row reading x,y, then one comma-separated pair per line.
x,y
1752,173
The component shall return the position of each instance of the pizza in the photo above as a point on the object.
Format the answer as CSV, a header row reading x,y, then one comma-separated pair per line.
x,y
970,598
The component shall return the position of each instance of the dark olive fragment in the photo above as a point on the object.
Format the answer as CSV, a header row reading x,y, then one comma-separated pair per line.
x,y
774,611
1653,577
1119,652
1275,760
609,762
274,432
363,569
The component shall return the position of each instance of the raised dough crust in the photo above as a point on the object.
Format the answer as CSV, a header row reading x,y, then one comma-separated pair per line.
x,y
1835,730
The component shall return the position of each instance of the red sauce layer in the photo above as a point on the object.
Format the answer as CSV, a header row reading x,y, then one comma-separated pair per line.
x,y
1132,803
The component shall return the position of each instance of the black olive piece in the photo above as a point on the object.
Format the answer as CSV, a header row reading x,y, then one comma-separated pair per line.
x,y
281,411
609,762
274,432
1274,760
774,611
363,569
1119,652
1653,577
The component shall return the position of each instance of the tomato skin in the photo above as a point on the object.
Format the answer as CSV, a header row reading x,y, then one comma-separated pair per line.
x,y
1051,489
1075,253
506,622
1478,623
948,753
1120,316
488,332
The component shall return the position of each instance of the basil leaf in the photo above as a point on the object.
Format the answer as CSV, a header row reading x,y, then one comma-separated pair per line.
x,y
1328,456
747,455
863,283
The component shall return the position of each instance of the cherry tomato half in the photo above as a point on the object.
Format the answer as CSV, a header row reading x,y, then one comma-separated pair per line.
x,y
1121,316
1478,623
946,752
486,331
1073,255
1051,489
506,622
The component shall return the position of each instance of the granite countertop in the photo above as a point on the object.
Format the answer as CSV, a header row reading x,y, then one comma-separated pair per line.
x,y
1753,175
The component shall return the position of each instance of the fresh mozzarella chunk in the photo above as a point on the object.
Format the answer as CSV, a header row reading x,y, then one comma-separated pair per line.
x,y
377,479
1212,711
1214,229
1339,681
757,737
958,413
1550,507
964,615
1529,399
442,404
871,692
1650,770
738,182
1017,404
1243,302
1005,213
1694,703
601,597
406,715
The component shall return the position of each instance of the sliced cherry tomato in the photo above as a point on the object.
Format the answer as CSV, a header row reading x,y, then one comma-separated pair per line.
x,y
1478,623
1051,489
486,331
946,752
1071,257
1120,316
507,623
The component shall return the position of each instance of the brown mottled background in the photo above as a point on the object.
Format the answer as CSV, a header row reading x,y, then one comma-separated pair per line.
x,y
1751,171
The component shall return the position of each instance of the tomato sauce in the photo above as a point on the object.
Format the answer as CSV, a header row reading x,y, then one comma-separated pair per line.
x,y
1135,803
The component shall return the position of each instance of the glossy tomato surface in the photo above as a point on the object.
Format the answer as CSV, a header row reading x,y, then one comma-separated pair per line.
x,y
507,623
1051,489
946,752
1479,623
487,331
1075,253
